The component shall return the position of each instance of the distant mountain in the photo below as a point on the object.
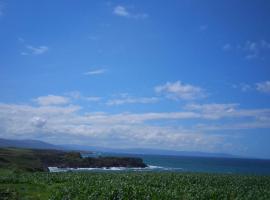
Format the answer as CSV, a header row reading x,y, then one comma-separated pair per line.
x,y
33,144
146,151
88,148
36,144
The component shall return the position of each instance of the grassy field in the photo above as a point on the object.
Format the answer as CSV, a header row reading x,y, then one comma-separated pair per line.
x,y
131,185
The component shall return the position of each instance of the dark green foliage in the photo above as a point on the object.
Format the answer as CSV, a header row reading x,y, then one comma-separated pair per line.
x,y
115,162
134,185
39,160
19,160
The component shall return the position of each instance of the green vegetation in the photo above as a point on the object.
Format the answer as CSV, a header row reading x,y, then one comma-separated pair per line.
x,y
22,177
131,185
19,160
33,160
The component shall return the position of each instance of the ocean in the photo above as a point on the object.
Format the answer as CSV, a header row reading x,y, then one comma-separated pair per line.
x,y
162,163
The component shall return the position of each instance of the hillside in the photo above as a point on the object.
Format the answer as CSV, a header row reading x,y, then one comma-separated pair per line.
x,y
33,144
39,160
37,144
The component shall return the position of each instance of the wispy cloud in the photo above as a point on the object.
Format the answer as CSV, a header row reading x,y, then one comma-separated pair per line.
x,y
51,100
227,47
123,12
250,49
1,8
38,50
126,99
31,50
203,27
95,72
244,87
93,37
178,90
214,110
263,87
78,95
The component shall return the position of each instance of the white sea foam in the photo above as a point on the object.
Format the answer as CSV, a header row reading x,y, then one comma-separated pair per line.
x,y
154,167
56,169
148,168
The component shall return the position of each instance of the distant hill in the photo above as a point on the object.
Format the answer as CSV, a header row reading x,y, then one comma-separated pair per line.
x,y
33,144
173,152
146,151
36,144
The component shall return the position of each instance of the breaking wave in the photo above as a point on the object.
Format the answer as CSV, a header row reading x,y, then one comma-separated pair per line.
x,y
148,168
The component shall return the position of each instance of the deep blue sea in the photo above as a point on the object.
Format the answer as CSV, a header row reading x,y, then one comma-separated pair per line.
x,y
209,165
192,164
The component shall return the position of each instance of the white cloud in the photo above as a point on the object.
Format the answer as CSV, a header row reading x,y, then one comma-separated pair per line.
x,y
244,87
64,123
235,126
230,111
96,72
213,111
38,50
31,50
38,122
250,49
91,98
263,87
132,100
51,100
123,12
78,95
23,121
178,90
214,107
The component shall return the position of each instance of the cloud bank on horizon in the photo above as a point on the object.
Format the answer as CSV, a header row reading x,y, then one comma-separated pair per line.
x,y
187,75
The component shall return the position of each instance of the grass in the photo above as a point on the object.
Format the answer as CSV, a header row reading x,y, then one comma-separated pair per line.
x,y
16,159
131,185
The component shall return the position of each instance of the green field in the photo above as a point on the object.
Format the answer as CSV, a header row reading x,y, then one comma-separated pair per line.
x,y
131,185
22,177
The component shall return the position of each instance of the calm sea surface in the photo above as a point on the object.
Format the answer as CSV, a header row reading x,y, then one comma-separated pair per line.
x,y
203,164
186,164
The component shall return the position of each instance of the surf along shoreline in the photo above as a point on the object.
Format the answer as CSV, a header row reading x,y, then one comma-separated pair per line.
x,y
45,160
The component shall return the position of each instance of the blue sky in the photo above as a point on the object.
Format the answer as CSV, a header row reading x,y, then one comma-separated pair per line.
x,y
184,75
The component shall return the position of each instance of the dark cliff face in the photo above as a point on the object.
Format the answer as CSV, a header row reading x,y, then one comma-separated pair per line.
x,y
115,162
40,160
74,160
